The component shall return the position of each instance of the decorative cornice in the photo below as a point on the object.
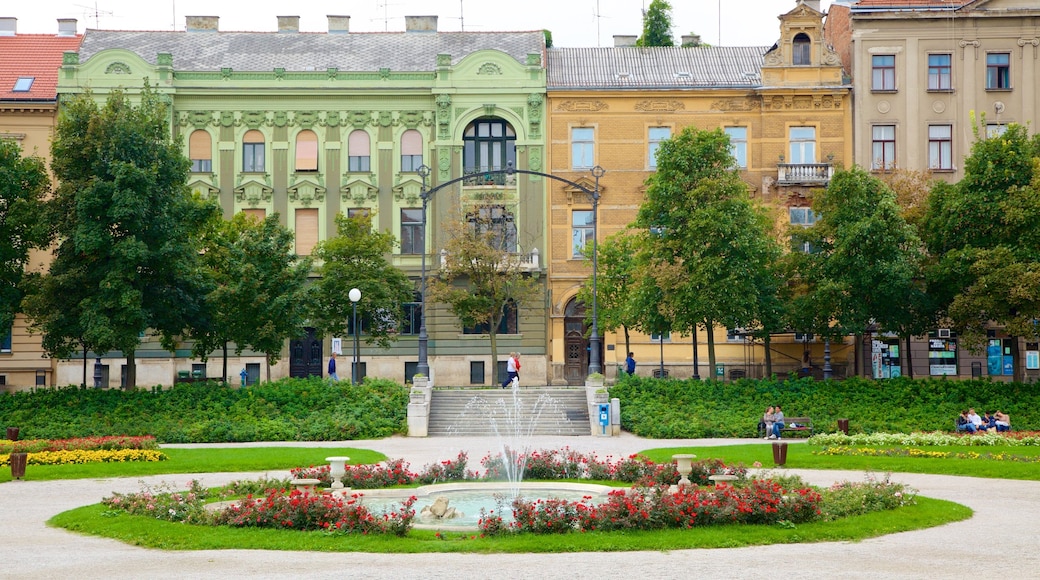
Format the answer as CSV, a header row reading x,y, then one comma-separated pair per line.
x,y
651,105
576,106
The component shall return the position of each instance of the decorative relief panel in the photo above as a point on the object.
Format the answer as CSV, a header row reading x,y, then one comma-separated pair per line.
x,y
305,119
331,119
253,119
443,116
534,115
408,189
279,119
253,192
534,158
306,192
117,68
444,163
745,104
360,187
359,118
581,106
489,68
659,105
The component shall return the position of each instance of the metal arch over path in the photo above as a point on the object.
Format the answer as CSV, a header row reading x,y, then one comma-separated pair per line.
x,y
423,367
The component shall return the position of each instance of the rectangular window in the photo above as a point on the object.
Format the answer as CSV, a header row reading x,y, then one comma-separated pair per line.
x,y
582,228
510,323
940,147
259,214
499,222
802,216
735,334
410,368
412,238
201,165
360,163
883,147
582,148
358,212
359,152
939,77
657,336
738,145
252,373
411,150
23,84
200,152
883,77
476,372
998,70
306,231
412,319
654,137
803,145
253,157
5,340
995,130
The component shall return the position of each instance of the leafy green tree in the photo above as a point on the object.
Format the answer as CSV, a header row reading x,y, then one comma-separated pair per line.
x,y
866,269
657,25
483,277
257,298
23,186
616,258
983,234
124,212
357,258
710,248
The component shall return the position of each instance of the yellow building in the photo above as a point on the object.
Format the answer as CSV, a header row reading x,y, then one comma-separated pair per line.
x,y
28,113
787,110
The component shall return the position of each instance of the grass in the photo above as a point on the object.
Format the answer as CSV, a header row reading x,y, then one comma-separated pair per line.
x,y
800,456
212,460
150,533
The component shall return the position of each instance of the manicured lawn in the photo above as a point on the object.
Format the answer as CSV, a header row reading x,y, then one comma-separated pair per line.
x,y
800,456
151,533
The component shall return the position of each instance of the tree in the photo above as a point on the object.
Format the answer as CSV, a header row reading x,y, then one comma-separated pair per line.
x,y
657,25
483,277
983,234
257,296
23,186
127,223
865,270
617,263
710,248
357,258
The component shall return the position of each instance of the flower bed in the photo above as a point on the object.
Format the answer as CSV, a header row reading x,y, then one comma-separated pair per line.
x,y
935,438
903,452
83,456
78,444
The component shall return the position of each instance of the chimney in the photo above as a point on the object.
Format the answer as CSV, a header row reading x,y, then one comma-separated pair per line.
x,y
289,24
420,24
66,27
8,26
625,39
814,4
691,40
339,24
202,23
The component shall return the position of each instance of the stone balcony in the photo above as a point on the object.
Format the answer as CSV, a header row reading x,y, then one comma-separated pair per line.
x,y
817,174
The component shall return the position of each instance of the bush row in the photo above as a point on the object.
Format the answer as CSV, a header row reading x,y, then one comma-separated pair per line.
x,y
672,408
285,410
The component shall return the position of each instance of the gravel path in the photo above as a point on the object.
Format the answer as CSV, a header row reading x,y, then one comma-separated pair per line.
x,y
1003,536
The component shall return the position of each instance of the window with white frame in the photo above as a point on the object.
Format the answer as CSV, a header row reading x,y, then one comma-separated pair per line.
x,y
654,137
995,130
582,148
412,239
883,72
657,336
253,152
359,151
738,145
200,151
883,147
940,77
802,145
998,70
582,222
411,150
802,216
940,147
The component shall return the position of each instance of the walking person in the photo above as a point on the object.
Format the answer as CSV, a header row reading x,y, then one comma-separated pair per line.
x,y
512,369
630,365
332,368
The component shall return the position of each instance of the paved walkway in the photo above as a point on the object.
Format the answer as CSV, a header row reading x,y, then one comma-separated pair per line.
x,y
1002,538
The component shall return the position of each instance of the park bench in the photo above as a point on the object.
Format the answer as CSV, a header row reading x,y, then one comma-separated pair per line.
x,y
797,425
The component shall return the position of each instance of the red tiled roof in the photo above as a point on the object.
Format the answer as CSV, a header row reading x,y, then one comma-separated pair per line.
x,y
33,55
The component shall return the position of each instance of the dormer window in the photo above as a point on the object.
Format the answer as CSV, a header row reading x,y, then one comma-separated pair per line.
x,y
802,50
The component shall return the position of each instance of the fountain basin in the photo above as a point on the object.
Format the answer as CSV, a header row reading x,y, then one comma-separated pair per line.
x,y
469,497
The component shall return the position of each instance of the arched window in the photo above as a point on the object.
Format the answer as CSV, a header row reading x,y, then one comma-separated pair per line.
x,y
306,151
802,53
200,151
253,152
411,150
359,151
488,144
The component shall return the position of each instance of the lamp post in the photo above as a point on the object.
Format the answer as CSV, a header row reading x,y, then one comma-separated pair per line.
x,y
423,367
828,372
354,296
594,356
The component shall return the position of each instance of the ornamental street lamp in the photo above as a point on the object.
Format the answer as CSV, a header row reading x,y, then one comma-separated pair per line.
x,y
594,342
354,296
423,367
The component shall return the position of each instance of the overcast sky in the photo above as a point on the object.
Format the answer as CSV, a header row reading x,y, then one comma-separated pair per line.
x,y
573,22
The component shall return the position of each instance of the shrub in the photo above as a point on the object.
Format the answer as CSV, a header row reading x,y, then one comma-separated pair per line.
x,y
844,499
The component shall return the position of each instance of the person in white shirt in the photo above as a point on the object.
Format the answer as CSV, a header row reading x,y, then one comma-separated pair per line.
x,y
976,420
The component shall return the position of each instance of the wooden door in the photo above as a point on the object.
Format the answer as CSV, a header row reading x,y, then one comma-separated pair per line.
x,y
305,355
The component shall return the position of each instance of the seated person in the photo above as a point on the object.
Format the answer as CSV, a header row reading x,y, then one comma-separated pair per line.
x,y
765,424
778,423
1001,421
988,422
964,423
976,420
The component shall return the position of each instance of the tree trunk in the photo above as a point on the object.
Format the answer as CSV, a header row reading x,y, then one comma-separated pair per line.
x,y
1018,374
628,346
84,384
909,358
709,327
224,375
131,371
769,356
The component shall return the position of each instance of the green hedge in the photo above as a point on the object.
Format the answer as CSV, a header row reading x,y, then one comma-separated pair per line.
x,y
692,409
285,410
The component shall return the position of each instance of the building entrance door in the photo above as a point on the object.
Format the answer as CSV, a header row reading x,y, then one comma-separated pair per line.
x,y
576,345
305,355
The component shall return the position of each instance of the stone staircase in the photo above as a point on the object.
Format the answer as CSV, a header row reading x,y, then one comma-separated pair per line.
x,y
489,412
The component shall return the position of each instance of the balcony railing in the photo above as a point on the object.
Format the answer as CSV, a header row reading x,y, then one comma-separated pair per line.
x,y
528,262
480,177
804,173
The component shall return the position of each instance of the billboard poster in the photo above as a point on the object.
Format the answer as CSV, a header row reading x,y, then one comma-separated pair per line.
x,y
942,356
